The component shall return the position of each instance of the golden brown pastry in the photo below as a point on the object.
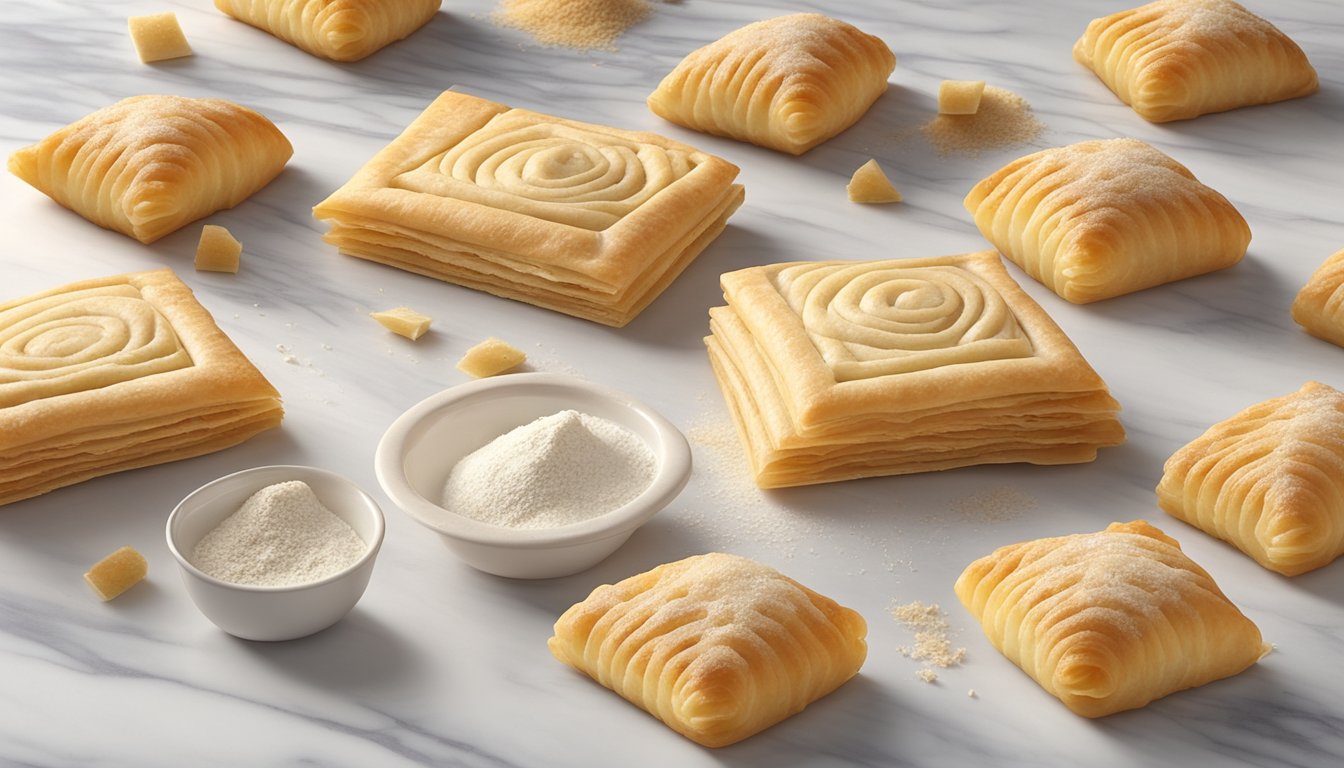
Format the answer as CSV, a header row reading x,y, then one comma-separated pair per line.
x,y
579,218
1108,621
716,646
1099,219
116,373
148,165
1319,306
1178,59
787,83
340,30
1269,480
838,370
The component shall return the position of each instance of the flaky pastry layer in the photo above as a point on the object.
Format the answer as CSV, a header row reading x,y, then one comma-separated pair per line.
x,y
123,371
340,30
581,218
148,165
1108,621
1100,219
1269,480
1319,306
1178,59
717,646
787,83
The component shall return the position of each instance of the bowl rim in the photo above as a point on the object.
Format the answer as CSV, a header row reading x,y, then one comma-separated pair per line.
x,y
370,552
672,473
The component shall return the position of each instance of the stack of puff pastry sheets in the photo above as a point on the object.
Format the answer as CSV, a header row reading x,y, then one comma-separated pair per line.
x,y
840,370
117,373
583,219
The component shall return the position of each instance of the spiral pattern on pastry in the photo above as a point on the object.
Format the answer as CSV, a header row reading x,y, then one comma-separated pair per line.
x,y
340,30
147,165
878,319
1108,621
1269,480
84,340
561,173
717,646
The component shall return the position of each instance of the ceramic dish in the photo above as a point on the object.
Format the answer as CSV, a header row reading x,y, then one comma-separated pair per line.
x,y
264,612
419,450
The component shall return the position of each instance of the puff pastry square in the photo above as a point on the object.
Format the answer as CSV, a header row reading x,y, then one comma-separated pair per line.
x,y
578,218
1319,306
787,83
148,165
116,373
716,646
1108,621
340,30
1178,59
1099,219
838,370
1269,480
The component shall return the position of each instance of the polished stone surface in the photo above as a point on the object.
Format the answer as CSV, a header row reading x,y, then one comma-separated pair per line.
x,y
440,664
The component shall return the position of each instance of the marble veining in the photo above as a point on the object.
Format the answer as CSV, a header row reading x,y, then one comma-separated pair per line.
x,y
442,665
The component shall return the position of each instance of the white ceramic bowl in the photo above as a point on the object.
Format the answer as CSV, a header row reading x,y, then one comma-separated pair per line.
x,y
421,447
274,613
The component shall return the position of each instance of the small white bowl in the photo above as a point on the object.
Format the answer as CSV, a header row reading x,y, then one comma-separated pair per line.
x,y
421,447
274,613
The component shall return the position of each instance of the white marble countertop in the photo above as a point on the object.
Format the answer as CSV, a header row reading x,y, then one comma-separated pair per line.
x,y
442,665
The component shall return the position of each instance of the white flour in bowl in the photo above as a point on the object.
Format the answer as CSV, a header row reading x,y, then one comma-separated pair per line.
x,y
281,536
557,470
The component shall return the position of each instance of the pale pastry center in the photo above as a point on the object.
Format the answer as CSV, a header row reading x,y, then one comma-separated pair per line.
x,y
868,322
560,173
83,340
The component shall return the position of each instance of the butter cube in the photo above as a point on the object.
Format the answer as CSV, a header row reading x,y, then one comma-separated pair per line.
x,y
218,250
490,357
870,185
403,321
117,573
158,37
960,97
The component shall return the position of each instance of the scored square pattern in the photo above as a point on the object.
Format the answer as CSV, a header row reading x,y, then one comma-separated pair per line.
x,y
583,219
835,370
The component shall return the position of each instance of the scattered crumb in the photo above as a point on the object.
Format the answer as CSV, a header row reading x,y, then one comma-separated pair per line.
x,y
739,509
994,505
932,645
579,24
1003,119
971,693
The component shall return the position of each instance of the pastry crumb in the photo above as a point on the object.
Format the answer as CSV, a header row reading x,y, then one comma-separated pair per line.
x,y
157,37
870,184
403,321
927,675
217,250
116,573
491,357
